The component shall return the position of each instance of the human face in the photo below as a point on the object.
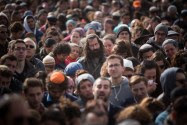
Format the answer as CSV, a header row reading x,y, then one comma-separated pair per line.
x,y
34,97
75,37
75,52
85,90
11,65
101,90
71,86
128,74
31,23
181,79
49,68
170,50
124,35
20,51
3,33
56,93
49,49
108,46
70,27
61,57
93,44
125,19
139,91
30,49
5,82
160,36
161,65
147,55
150,74
114,68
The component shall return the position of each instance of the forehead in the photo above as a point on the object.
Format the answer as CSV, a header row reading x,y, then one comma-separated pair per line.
x,y
29,42
113,61
102,82
8,61
85,82
94,40
19,45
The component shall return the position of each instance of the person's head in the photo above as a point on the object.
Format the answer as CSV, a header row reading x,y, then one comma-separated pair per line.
x,y
102,88
128,68
160,33
51,19
125,18
75,50
14,110
138,85
49,44
19,50
49,63
94,47
159,58
98,16
53,33
123,33
42,16
108,24
170,47
61,51
33,90
75,37
115,66
153,105
154,22
122,48
84,83
31,47
108,42
145,52
4,19
71,111
56,84
10,61
3,32
135,112
70,25
29,22
16,29
5,76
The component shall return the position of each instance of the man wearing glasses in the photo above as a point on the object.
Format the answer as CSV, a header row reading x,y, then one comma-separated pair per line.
x,y
24,68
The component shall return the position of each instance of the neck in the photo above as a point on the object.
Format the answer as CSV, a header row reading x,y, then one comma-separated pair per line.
x,y
20,66
116,81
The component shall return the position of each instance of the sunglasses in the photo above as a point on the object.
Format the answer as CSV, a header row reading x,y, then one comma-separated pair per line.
x,y
30,46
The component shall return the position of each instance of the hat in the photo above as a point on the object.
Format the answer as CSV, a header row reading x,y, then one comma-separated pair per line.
x,y
97,25
184,13
145,47
172,33
74,23
89,26
161,27
27,13
51,17
80,30
153,9
136,3
128,63
48,60
120,28
57,77
85,76
71,68
170,41
49,42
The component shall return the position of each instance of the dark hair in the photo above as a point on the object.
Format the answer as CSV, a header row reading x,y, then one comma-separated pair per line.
x,y
30,83
113,56
16,27
62,48
5,71
179,59
16,42
7,57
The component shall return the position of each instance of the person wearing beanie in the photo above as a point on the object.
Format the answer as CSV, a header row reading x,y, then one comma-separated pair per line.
x,y
128,68
71,69
56,83
49,63
84,84
170,48
160,34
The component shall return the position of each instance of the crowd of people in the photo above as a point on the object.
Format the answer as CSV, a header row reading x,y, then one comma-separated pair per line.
x,y
93,62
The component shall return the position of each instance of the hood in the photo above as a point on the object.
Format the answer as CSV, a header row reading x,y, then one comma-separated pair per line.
x,y
26,26
168,80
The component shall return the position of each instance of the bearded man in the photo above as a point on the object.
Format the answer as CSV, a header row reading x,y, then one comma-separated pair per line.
x,y
93,57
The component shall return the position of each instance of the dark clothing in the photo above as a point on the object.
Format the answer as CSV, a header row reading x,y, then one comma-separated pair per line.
x,y
48,101
92,66
28,71
37,64
81,102
42,53
4,49
16,86
112,112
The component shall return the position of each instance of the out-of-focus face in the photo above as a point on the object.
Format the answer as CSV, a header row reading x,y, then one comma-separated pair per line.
x,y
147,55
128,74
70,27
124,35
31,23
61,57
3,33
101,90
160,36
181,79
85,90
75,37
108,45
114,68
71,86
150,74
20,51
34,97
5,81
161,65
75,52
49,68
56,93
30,49
170,50
94,44
125,19
11,65
139,91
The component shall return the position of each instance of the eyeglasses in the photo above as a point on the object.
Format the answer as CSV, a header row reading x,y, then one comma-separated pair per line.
x,y
29,46
114,65
20,48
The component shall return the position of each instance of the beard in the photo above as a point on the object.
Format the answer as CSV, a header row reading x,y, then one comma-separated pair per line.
x,y
95,53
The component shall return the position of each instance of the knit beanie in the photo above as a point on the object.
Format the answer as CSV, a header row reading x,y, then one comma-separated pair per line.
x,y
85,76
48,60
71,68
170,41
161,27
120,28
